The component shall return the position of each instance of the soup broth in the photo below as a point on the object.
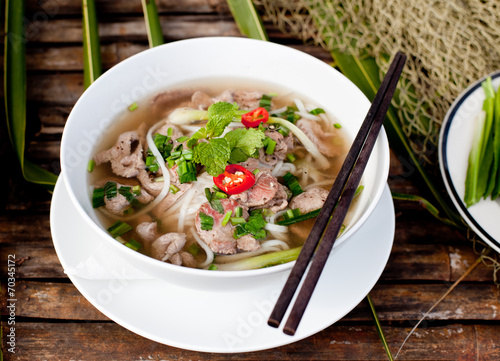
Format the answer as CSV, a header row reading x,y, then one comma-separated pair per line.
x,y
289,163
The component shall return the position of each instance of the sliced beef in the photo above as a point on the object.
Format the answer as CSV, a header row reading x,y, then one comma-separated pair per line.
x,y
310,200
283,146
119,204
201,100
148,231
154,187
324,141
167,245
164,102
219,239
170,199
176,132
126,156
245,99
267,192
247,243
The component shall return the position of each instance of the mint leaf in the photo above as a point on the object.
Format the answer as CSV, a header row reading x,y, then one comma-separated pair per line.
x,y
213,155
220,114
247,140
237,156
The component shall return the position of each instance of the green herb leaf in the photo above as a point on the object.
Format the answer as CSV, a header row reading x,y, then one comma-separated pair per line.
x,y
248,140
220,114
214,155
206,222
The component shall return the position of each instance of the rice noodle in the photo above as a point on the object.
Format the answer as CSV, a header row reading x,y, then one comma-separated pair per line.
x,y
279,110
300,106
206,248
277,168
284,169
308,116
320,184
276,228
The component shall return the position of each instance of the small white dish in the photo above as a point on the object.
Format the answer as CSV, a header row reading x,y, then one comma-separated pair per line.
x,y
230,321
455,142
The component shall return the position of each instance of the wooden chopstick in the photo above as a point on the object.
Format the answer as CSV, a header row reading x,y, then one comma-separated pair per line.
x,y
345,184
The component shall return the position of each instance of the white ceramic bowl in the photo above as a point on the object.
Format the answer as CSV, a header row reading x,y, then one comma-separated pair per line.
x,y
157,69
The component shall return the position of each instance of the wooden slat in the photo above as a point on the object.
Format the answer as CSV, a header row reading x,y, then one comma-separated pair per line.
x,y
108,341
104,7
396,303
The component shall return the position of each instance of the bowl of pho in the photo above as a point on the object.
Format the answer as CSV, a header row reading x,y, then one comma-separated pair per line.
x,y
205,162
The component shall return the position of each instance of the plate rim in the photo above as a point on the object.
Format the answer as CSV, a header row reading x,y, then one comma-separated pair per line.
x,y
443,162
80,282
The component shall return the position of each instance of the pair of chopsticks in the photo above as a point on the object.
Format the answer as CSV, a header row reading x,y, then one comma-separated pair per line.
x,y
342,192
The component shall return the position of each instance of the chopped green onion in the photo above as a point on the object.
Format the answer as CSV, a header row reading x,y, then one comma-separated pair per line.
x,y
291,213
159,179
163,144
255,171
215,202
126,192
110,189
151,163
293,183
271,144
226,218
237,220
291,158
359,190
212,267
98,197
317,111
265,102
136,190
170,131
194,249
133,244
173,188
90,166
302,217
221,195
337,126
132,107
206,221
128,211
284,131
186,171
119,228
182,139
238,212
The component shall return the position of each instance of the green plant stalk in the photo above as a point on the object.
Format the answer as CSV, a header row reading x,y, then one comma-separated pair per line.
x,y
264,260
92,67
247,19
496,145
153,26
378,326
470,196
15,92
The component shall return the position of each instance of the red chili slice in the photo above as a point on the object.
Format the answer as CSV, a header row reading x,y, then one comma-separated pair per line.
x,y
235,179
255,117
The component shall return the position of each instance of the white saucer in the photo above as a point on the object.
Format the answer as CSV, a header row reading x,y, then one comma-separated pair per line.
x,y
455,142
225,321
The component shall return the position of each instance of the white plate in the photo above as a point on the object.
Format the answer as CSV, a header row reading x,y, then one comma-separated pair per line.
x,y
455,142
224,321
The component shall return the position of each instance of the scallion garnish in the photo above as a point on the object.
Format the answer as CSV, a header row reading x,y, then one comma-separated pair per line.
x,y
337,126
194,249
98,197
317,111
206,222
226,218
119,228
265,101
238,212
170,131
164,145
133,244
237,220
254,226
110,189
291,157
291,213
173,188
293,183
221,195
186,171
127,193
136,190
132,107
212,267
255,171
151,163
271,144
300,218
359,190
182,139
90,166
214,201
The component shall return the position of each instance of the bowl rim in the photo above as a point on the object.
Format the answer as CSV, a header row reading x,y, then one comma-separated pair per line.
x,y
384,159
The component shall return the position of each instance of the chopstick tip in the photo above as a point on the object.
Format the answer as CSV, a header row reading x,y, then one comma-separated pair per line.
x,y
273,323
288,331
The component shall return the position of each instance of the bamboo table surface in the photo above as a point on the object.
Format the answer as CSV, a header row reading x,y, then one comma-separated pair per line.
x,y
53,321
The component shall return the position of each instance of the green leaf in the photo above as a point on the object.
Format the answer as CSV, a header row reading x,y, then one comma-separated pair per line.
x,y
92,68
246,17
220,114
248,140
214,155
15,92
378,326
153,26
